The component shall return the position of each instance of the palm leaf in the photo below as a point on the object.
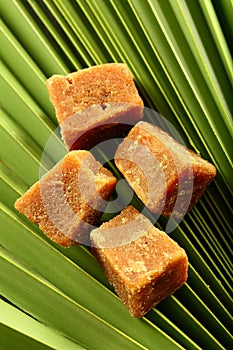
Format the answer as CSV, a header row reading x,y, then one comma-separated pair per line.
x,y
179,52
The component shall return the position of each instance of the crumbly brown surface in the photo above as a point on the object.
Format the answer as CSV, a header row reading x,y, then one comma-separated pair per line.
x,y
108,88
162,172
61,204
144,271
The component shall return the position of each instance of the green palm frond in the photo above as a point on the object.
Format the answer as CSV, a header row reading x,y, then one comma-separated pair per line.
x,y
179,52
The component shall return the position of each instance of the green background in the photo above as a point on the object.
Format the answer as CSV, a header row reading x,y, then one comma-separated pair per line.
x,y
179,53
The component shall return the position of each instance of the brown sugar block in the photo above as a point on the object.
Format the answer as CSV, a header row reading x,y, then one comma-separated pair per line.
x,y
146,269
69,199
166,176
108,88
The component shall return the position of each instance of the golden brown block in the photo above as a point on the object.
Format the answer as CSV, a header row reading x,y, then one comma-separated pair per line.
x,y
69,199
166,176
142,263
93,104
